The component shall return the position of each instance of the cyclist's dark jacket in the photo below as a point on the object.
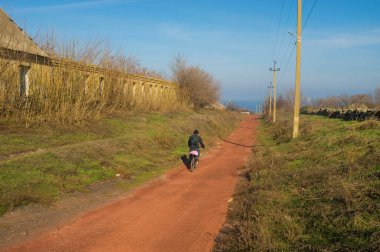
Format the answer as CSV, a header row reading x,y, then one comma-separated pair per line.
x,y
195,141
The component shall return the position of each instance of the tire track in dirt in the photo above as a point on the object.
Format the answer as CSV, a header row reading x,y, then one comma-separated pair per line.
x,y
183,213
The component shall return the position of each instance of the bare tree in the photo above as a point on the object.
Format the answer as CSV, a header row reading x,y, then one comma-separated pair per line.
x,y
200,87
362,99
286,100
377,96
343,100
95,52
349,101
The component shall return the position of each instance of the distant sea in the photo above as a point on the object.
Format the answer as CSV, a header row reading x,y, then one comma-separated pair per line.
x,y
246,104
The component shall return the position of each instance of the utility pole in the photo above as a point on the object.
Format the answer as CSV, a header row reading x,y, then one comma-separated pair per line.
x,y
265,104
274,70
297,93
270,98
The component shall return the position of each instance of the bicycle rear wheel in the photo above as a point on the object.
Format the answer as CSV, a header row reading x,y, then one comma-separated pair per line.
x,y
193,163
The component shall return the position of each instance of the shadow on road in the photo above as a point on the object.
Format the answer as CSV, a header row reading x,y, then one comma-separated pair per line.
x,y
238,144
186,161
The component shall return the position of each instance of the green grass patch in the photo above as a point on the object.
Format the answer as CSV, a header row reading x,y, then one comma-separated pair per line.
x,y
45,163
320,192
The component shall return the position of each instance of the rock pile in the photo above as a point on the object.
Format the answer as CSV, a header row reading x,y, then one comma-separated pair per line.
x,y
346,114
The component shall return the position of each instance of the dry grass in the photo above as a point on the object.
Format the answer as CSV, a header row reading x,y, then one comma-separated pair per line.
x,y
320,192
64,94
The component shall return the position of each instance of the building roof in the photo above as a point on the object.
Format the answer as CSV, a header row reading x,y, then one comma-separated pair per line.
x,y
14,38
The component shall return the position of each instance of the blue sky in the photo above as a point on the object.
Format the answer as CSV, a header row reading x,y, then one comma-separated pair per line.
x,y
235,40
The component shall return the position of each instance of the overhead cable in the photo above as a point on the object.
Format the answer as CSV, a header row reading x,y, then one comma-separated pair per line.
x,y
278,29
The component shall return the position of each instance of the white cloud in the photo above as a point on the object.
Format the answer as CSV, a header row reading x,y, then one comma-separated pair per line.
x,y
76,5
371,37
173,31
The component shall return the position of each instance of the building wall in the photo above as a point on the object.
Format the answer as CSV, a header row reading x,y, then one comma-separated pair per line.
x,y
33,83
50,85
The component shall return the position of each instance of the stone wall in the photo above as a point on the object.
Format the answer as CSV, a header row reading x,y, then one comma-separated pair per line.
x,y
345,114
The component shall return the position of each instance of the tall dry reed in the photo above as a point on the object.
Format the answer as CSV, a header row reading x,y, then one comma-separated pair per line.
x,y
65,93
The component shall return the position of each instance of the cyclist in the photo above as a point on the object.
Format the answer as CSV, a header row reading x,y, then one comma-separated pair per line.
x,y
195,141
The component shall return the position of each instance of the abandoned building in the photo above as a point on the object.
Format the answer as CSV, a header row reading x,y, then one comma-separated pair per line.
x,y
28,72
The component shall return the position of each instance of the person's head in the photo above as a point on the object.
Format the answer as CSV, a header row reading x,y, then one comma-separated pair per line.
x,y
196,132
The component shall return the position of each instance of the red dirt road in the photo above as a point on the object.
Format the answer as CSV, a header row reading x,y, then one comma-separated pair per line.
x,y
182,213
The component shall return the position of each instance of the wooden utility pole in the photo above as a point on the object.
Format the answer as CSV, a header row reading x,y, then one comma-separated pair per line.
x,y
266,103
297,90
274,70
270,98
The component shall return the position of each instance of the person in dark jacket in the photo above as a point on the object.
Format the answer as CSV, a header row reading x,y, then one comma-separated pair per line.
x,y
195,142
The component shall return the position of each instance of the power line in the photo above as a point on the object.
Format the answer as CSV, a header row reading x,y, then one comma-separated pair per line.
x,y
308,16
286,24
287,63
278,29
292,52
289,54
294,44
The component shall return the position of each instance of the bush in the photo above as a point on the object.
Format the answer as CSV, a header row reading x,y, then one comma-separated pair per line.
x,y
199,87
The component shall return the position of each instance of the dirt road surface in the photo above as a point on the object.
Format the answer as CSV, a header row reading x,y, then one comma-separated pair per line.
x,y
184,212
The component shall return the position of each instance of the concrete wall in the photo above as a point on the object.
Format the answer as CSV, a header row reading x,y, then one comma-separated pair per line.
x,y
37,78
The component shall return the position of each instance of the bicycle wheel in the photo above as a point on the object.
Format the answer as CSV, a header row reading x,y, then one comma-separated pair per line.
x,y
193,163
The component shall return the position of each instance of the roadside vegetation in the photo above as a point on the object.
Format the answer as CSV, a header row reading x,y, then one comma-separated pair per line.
x,y
320,192
44,163
197,87
370,101
67,94
63,128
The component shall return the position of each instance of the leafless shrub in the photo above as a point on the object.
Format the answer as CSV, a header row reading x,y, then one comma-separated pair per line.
x,y
201,87
285,101
95,52
377,96
346,100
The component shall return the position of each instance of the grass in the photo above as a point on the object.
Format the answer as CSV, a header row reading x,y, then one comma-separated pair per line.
x,y
42,164
320,192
